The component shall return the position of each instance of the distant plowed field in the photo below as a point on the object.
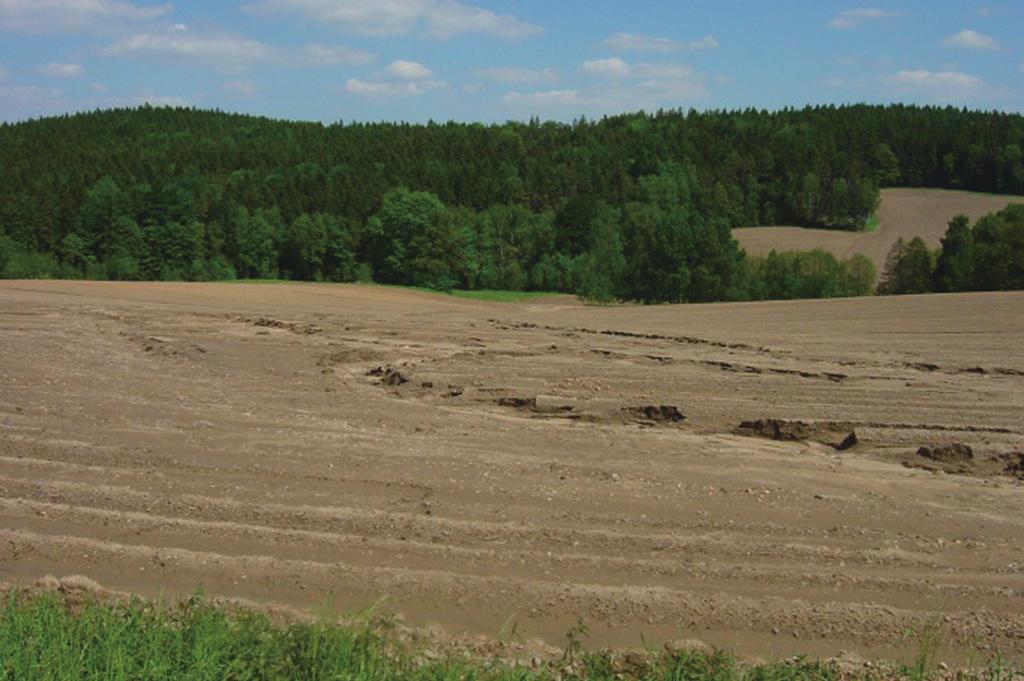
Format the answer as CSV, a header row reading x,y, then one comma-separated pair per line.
x,y
904,213
775,478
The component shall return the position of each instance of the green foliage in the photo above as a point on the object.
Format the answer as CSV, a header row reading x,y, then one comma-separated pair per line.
x,y
250,238
954,269
41,638
629,207
998,256
672,253
505,243
33,265
806,274
887,165
100,218
416,241
859,275
7,252
908,269
603,263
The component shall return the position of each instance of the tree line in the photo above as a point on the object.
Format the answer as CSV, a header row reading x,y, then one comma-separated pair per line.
x,y
637,206
988,256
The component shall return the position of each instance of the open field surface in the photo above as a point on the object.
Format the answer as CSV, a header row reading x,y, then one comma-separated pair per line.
x,y
514,462
903,213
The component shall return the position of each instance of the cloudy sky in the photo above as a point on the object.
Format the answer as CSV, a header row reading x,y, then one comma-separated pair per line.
x,y
492,60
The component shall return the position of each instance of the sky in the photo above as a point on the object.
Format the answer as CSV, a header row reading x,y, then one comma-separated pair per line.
x,y
496,60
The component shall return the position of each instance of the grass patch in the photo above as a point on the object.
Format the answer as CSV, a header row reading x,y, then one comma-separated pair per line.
x,y
261,281
503,296
41,637
487,295
872,223
493,296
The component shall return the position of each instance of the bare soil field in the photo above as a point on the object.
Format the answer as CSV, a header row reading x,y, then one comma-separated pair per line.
x,y
774,478
904,213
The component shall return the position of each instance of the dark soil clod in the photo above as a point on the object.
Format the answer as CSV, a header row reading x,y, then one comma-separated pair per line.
x,y
517,402
839,436
775,429
951,453
1014,464
665,413
393,377
847,442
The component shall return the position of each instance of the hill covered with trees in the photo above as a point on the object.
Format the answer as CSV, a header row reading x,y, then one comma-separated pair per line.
x,y
637,206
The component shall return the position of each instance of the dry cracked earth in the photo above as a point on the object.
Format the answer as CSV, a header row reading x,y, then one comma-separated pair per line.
x,y
774,478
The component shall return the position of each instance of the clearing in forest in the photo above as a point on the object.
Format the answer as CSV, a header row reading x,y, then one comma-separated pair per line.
x,y
904,213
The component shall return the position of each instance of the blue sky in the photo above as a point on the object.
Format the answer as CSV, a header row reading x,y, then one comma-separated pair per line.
x,y
493,60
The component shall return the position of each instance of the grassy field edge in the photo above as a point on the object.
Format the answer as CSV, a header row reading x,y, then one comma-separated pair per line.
x,y
46,636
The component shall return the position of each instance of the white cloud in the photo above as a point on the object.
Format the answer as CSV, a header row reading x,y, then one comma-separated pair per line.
x,y
438,18
635,42
384,88
98,87
852,18
226,51
972,40
231,53
613,67
946,87
56,15
402,78
616,68
620,86
708,42
516,74
408,70
241,87
662,71
934,79
58,70
317,54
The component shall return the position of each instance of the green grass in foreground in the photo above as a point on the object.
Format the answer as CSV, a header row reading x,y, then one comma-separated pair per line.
x,y
41,638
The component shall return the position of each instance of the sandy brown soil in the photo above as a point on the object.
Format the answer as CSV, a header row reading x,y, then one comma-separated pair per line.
x,y
524,463
904,213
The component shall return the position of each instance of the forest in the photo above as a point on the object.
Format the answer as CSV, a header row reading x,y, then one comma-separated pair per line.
x,y
630,207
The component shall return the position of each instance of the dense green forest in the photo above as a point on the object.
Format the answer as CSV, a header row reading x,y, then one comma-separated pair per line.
x,y
637,206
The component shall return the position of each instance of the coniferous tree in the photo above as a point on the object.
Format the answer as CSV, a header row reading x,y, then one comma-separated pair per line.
x,y
908,269
954,269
